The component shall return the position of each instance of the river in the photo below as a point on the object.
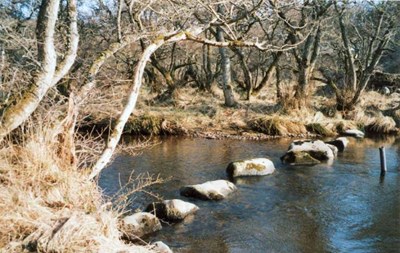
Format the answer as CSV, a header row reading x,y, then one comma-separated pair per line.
x,y
342,207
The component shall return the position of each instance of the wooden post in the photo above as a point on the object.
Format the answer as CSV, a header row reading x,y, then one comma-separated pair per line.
x,y
383,160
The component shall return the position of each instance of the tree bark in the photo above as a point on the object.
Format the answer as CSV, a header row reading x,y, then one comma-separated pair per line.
x,y
48,75
246,72
226,69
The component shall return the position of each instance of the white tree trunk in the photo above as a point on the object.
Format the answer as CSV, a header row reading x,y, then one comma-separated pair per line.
x,y
115,136
48,75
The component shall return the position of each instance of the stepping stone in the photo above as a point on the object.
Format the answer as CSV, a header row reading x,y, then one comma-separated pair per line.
x,y
212,190
252,167
172,210
140,224
308,152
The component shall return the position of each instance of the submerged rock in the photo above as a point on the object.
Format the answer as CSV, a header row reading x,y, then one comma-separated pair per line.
x,y
340,143
308,152
172,210
212,190
354,133
160,247
252,167
140,224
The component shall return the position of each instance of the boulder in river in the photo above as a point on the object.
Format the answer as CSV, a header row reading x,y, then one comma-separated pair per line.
x,y
340,143
160,247
308,152
172,210
212,190
140,224
333,148
252,167
354,133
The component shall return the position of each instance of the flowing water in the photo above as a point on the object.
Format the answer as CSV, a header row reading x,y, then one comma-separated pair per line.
x,y
343,207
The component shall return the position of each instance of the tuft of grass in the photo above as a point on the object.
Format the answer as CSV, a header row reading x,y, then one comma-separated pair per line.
x,y
381,125
277,126
344,125
319,129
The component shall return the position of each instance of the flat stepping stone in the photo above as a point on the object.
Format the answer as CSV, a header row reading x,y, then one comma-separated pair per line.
x,y
140,224
212,190
172,210
252,167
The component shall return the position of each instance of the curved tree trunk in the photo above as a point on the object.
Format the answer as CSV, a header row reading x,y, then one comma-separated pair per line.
x,y
48,75
132,99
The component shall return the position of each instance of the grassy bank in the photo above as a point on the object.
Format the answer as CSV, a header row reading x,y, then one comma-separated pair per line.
x,y
189,112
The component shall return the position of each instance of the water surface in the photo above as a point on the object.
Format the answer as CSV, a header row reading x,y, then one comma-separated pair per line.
x,y
343,207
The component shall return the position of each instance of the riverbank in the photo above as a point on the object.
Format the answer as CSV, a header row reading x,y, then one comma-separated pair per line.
x,y
202,114
49,205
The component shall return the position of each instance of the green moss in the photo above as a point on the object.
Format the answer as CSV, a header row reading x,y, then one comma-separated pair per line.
x,y
319,129
253,166
144,125
269,126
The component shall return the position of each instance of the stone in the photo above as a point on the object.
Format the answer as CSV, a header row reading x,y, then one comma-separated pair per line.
x,y
139,224
172,210
385,91
340,143
299,158
161,247
333,148
308,152
212,190
354,133
252,167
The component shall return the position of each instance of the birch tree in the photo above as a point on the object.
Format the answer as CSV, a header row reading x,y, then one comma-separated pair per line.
x,y
49,72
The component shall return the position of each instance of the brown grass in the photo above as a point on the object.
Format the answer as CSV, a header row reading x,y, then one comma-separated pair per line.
x,y
277,126
48,206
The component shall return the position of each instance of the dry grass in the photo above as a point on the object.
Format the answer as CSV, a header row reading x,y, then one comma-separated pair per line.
x,y
48,205
381,124
277,126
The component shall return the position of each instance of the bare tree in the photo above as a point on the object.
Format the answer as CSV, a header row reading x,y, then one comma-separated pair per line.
x,y
362,49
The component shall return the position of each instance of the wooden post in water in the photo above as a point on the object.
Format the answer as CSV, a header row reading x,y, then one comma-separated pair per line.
x,y
383,160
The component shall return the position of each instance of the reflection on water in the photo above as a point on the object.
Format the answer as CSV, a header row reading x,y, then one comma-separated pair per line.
x,y
343,207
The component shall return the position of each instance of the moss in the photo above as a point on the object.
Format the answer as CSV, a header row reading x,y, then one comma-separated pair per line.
x,y
253,166
153,125
319,129
144,125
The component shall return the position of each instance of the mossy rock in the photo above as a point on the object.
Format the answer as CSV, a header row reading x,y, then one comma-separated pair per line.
x,y
319,129
299,158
